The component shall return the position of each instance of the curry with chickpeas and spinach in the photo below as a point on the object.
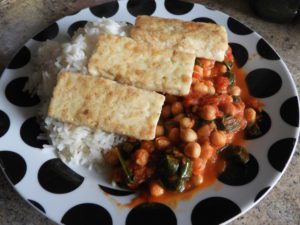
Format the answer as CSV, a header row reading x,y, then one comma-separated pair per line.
x,y
194,131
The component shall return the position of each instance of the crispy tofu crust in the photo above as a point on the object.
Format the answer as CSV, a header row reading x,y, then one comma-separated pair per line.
x,y
205,40
124,60
100,103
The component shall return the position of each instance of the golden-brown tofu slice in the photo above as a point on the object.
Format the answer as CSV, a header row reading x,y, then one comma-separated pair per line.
x,y
124,60
205,40
104,104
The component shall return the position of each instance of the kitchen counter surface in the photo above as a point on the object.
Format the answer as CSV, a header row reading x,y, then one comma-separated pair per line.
x,y
21,19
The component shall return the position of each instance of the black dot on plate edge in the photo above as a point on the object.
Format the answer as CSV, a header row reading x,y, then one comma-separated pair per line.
x,y
20,59
214,210
14,166
263,83
115,192
87,213
75,26
15,94
4,123
177,7
30,130
141,7
204,20
151,214
105,10
240,174
265,50
37,205
237,27
280,152
55,177
261,193
289,111
47,34
240,54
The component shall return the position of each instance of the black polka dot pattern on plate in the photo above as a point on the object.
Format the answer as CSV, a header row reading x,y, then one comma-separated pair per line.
x,y
240,54
115,192
289,111
14,166
151,214
141,7
214,210
47,34
265,50
261,193
75,26
4,123
237,27
263,83
280,152
264,123
20,59
178,7
204,20
105,10
89,214
240,174
55,177
30,130
15,94
37,205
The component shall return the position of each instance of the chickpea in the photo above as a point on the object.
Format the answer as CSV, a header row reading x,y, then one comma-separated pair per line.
x,y
148,145
208,112
235,91
188,135
166,111
159,131
178,117
201,88
156,189
203,133
111,157
211,90
198,166
223,69
162,142
229,109
170,99
174,134
250,115
197,180
218,138
141,157
192,150
206,73
206,151
176,108
186,122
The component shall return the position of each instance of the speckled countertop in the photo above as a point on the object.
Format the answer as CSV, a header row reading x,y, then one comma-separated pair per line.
x,y
21,19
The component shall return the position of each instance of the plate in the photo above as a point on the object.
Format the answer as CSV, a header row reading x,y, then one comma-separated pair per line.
x,y
80,197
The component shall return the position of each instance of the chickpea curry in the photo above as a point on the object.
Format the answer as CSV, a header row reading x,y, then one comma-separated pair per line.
x,y
193,132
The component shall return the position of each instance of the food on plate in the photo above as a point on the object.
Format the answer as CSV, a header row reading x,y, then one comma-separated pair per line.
x,y
205,40
100,88
100,103
127,61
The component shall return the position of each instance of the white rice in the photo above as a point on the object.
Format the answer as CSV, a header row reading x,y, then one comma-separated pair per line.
x,y
79,145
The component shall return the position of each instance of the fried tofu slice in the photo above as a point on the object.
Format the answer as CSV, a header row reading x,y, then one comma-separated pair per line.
x,y
124,60
104,104
205,40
